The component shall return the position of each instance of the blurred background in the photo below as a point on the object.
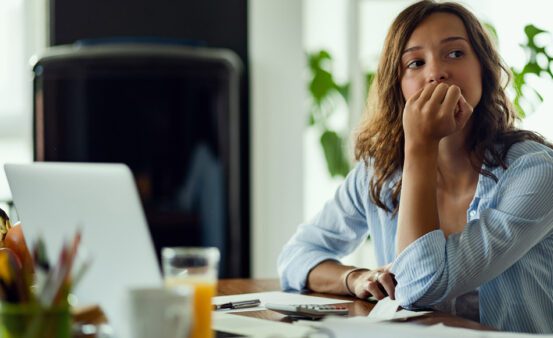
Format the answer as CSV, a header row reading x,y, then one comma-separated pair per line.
x,y
305,67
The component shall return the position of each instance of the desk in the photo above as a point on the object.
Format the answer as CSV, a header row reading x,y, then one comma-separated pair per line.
x,y
357,308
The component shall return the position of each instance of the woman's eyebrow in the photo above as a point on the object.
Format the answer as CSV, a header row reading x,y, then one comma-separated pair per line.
x,y
446,40
453,38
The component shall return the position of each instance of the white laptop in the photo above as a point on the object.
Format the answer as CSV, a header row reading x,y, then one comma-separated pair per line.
x,y
54,199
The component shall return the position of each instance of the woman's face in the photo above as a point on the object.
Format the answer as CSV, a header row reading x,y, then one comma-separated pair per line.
x,y
439,50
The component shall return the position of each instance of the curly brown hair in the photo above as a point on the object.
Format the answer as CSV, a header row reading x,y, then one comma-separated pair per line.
x,y
380,140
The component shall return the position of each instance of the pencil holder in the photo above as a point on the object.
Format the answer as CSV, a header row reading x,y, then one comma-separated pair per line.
x,y
33,321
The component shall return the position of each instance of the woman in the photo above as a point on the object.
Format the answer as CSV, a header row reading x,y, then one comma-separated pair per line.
x,y
457,200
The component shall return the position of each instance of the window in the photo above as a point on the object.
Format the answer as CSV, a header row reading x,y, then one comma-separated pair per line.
x,y
511,34
22,34
12,63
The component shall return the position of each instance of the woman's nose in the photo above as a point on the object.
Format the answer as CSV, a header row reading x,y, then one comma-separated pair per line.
x,y
436,72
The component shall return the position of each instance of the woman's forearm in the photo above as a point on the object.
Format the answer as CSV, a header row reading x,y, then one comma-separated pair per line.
x,y
329,277
418,209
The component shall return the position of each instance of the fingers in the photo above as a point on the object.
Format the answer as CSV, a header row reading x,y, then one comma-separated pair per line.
x,y
378,283
427,92
465,110
382,285
465,105
451,98
363,294
438,95
387,282
415,96
374,289
360,284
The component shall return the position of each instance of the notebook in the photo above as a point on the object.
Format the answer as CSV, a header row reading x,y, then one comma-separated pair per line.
x,y
54,199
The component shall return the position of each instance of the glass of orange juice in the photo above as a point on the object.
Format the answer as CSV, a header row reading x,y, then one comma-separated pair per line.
x,y
196,267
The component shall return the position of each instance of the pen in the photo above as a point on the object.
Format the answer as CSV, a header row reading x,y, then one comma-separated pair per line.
x,y
237,305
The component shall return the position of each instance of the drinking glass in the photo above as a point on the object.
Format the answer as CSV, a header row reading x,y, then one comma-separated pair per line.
x,y
195,267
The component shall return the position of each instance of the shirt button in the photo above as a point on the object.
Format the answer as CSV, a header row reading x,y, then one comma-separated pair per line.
x,y
472,213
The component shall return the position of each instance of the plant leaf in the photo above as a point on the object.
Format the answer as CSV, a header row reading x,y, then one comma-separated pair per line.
x,y
344,91
318,59
531,68
531,31
492,32
321,85
369,77
520,112
311,121
540,97
334,154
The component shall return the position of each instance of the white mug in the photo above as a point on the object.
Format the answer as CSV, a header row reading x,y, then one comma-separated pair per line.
x,y
160,312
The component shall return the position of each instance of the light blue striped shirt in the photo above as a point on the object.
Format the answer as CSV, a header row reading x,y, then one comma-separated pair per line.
x,y
504,253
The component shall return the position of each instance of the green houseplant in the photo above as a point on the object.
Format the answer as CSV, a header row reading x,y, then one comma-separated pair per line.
x,y
325,93
538,64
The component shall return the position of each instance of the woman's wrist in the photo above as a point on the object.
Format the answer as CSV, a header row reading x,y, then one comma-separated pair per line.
x,y
349,278
417,149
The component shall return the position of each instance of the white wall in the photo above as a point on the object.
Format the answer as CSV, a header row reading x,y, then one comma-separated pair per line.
x,y
278,115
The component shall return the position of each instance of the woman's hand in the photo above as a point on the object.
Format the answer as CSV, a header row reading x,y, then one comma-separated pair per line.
x,y
378,283
434,112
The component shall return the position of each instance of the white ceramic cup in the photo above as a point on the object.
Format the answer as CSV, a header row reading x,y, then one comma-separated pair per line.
x,y
160,312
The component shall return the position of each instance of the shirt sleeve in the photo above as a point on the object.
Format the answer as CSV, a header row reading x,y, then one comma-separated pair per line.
x,y
433,269
334,232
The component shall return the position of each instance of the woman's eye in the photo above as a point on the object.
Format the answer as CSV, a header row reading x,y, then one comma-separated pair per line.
x,y
456,54
415,64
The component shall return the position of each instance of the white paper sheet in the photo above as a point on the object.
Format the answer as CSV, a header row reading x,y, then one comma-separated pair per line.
x,y
355,327
402,314
387,309
275,297
258,328
447,331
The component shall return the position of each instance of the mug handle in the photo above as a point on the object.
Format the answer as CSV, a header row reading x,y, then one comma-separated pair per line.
x,y
176,313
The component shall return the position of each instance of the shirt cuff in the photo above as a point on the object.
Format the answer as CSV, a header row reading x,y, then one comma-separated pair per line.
x,y
418,266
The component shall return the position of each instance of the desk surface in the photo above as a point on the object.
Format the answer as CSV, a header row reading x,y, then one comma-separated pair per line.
x,y
357,308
